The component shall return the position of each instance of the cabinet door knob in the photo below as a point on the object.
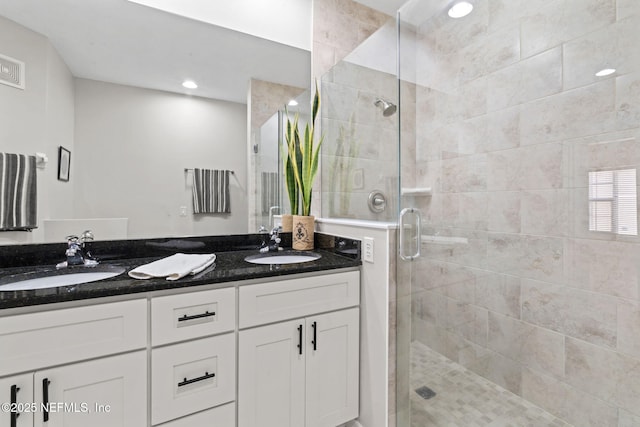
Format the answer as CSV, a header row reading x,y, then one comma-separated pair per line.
x,y
300,339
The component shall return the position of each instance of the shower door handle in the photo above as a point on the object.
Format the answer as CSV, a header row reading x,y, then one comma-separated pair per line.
x,y
418,234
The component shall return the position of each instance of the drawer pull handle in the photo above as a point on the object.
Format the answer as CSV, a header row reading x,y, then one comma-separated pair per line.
x,y
300,339
206,376
45,399
314,341
14,409
196,316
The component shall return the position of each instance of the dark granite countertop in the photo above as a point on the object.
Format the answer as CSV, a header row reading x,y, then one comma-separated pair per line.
x,y
230,266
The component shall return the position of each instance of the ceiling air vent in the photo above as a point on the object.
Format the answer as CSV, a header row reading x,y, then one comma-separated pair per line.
x,y
11,72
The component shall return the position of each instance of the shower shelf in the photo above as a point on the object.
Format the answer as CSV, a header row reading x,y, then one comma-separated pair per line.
x,y
418,191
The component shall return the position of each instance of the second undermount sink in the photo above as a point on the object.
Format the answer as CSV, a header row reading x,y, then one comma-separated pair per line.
x,y
285,257
52,278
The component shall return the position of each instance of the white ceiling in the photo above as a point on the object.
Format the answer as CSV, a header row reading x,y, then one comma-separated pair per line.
x,y
122,42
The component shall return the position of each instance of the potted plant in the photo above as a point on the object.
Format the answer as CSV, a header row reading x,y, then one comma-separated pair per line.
x,y
301,167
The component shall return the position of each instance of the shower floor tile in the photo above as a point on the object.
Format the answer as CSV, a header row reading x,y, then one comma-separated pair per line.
x,y
465,399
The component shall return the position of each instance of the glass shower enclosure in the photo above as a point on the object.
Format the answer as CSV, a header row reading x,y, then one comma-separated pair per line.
x,y
518,297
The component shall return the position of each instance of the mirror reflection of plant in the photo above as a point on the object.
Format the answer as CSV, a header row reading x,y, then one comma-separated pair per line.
x,y
301,162
340,169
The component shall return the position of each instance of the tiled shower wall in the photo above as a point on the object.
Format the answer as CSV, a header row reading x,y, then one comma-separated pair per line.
x,y
510,119
360,148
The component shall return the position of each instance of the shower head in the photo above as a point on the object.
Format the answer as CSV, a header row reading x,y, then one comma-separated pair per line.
x,y
388,108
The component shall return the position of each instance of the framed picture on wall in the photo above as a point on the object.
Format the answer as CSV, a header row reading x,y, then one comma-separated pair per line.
x,y
64,163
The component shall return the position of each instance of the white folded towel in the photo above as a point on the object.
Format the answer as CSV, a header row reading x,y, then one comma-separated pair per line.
x,y
174,267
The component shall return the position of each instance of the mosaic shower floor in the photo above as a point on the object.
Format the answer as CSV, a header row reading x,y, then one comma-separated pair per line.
x,y
465,399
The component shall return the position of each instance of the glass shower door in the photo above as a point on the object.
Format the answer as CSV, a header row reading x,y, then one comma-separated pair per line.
x,y
519,147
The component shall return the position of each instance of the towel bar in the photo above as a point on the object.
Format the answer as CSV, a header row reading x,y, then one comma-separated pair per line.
x,y
190,169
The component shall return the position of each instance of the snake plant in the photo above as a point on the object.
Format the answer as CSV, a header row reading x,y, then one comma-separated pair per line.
x,y
301,162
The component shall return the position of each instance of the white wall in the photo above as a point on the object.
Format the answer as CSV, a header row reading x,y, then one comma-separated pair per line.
x,y
38,118
132,146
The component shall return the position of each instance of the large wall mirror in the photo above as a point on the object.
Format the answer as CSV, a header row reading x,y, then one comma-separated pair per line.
x,y
102,80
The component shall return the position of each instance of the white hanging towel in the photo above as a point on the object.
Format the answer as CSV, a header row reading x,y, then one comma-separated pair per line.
x,y
174,267
211,191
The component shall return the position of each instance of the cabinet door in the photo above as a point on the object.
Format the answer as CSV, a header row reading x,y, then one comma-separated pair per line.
x,y
18,392
271,375
108,392
332,368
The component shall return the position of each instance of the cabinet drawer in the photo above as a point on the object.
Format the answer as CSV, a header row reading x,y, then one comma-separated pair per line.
x,y
222,416
49,338
193,315
287,299
192,376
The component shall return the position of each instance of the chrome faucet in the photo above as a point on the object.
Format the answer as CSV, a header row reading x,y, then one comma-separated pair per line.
x,y
74,251
274,242
79,251
86,243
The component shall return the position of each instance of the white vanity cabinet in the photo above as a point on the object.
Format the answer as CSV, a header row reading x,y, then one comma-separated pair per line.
x,y
301,371
278,352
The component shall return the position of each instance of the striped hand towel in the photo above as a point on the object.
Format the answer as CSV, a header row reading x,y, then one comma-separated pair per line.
x,y
211,191
18,202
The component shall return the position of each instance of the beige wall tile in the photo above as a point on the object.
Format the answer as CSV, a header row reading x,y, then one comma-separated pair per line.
x,y
613,46
338,27
527,80
627,8
526,168
531,257
584,315
566,402
545,212
498,293
628,327
605,267
611,376
564,20
628,99
503,13
580,112
499,369
536,348
488,54
627,419
464,174
466,210
503,129
504,213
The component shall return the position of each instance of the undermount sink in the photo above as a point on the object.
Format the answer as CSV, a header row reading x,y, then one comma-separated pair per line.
x,y
287,257
52,278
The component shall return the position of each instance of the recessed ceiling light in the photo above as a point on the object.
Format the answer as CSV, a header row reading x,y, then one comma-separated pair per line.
x,y
189,84
605,72
460,9
293,103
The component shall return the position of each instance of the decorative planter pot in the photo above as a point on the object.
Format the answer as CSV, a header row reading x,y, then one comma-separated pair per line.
x,y
302,234
287,223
